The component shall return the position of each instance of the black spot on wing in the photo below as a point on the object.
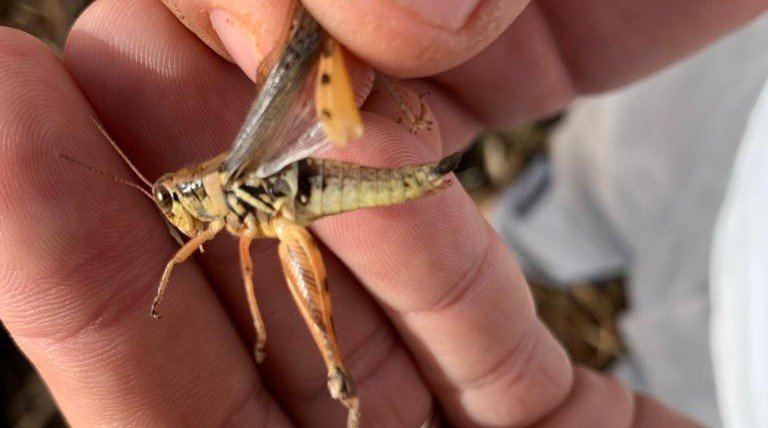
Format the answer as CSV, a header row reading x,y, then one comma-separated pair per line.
x,y
326,52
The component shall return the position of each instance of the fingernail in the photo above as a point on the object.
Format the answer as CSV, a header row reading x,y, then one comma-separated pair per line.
x,y
239,40
449,14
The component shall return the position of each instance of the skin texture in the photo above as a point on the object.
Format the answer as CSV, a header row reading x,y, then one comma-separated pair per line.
x,y
430,307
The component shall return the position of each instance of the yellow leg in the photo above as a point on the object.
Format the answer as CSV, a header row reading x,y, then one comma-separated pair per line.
x,y
246,267
335,97
183,254
305,273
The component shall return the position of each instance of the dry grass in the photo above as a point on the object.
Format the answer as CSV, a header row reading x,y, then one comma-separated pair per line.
x,y
49,20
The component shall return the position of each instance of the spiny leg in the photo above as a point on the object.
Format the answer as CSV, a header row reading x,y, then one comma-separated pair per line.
x,y
305,273
183,254
246,268
416,122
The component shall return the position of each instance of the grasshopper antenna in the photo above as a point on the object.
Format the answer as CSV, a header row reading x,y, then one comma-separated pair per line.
x,y
109,176
122,155
123,181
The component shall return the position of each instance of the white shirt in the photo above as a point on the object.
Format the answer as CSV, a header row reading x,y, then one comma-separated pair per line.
x,y
637,178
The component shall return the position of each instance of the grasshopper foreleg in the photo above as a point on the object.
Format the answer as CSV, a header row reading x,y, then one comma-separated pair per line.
x,y
181,255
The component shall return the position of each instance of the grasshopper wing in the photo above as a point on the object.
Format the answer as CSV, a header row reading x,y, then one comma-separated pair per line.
x,y
302,133
282,126
281,95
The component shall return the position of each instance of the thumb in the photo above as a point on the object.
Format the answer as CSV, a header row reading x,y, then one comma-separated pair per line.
x,y
242,31
406,38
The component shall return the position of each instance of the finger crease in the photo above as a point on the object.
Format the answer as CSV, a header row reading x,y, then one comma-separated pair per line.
x,y
565,66
255,393
464,289
380,359
114,310
382,331
511,366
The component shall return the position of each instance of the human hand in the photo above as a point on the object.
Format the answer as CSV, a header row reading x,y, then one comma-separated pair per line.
x,y
428,303
538,60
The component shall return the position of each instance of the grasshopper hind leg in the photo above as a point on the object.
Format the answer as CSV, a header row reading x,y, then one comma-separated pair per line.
x,y
246,268
416,121
305,273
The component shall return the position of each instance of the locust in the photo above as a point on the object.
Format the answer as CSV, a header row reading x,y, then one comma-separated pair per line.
x,y
267,186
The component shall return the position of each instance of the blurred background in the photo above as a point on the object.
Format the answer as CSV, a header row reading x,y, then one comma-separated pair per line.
x,y
582,314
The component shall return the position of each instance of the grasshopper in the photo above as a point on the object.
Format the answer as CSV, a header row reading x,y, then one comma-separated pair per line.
x,y
259,189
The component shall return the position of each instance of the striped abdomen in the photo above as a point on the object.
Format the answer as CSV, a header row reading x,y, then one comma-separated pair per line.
x,y
328,187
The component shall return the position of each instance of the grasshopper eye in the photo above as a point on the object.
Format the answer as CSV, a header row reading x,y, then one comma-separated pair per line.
x,y
163,198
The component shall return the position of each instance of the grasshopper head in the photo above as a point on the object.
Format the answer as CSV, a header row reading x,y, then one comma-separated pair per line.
x,y
169,199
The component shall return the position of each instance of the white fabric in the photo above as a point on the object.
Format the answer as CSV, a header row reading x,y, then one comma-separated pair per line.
x,y
740,283
637,179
